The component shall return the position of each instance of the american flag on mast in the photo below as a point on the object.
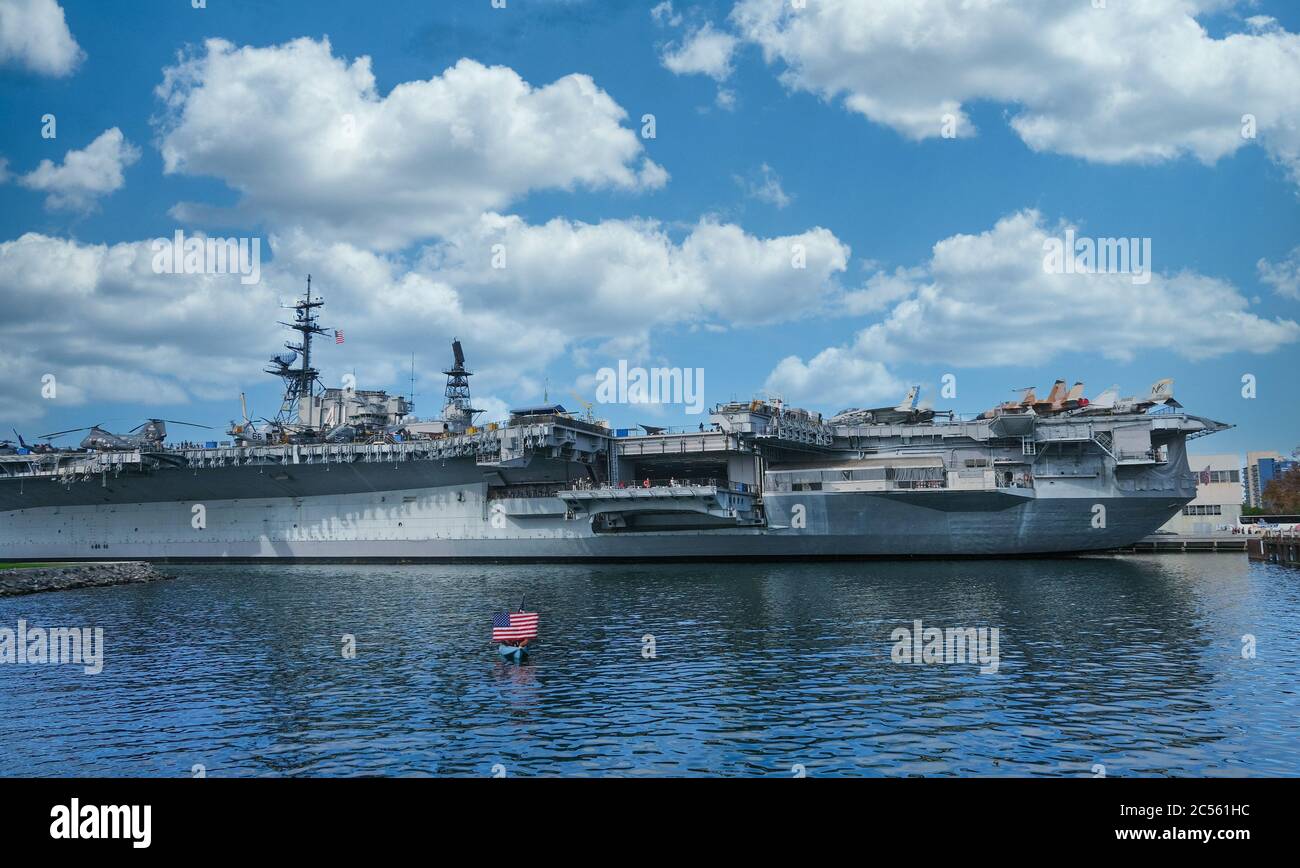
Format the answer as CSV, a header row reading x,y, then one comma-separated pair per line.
x,y
338,336
514,626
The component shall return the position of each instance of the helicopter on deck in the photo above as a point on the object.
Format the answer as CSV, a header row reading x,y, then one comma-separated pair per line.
x,y
146,435
249,432
7,447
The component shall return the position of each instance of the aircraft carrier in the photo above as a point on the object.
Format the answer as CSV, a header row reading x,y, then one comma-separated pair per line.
x,y
351,475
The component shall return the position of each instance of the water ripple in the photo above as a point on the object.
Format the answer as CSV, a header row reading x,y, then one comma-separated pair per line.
x,y
1131,663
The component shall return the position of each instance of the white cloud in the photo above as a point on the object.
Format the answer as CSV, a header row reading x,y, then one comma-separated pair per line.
x,y
1283,276
620,277
986,300
704,51
1133,82
307,140
163,345
390,306
664,14
1262,23
85,175
593,290
881,290
61,297
765,186
566,287
835,376
35,35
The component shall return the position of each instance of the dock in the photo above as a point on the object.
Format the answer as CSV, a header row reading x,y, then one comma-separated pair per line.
x,y
1186,543
1275,547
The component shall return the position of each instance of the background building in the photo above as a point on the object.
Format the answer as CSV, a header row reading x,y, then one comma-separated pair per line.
x,y
1218,496
1261,469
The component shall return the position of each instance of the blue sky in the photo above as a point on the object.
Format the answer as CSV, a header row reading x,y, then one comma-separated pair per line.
x,y
883,190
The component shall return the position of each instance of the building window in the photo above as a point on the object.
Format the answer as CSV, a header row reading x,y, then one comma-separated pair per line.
x,y
1224,475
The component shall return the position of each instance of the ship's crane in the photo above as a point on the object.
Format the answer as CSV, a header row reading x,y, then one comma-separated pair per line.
x,y
589,415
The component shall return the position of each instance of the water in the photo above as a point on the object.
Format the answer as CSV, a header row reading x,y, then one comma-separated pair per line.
x,y
1132,663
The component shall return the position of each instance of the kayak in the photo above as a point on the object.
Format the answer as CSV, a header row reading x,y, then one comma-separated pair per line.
x,y
514,652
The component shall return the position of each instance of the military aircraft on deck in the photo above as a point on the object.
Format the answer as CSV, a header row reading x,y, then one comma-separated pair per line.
x,y
1162,394
7,447
1059,400
909,412
151,436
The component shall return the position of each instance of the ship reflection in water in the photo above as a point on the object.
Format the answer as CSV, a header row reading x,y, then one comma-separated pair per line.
x,y
1133,664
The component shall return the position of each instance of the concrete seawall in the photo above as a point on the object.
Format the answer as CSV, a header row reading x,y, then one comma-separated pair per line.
x,y
64,577
1187,543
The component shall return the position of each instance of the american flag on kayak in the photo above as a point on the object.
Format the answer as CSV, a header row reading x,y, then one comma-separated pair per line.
x,y
513,626
338,336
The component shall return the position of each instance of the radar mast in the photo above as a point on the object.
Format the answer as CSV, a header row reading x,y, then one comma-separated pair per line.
x,y
457,412
303,381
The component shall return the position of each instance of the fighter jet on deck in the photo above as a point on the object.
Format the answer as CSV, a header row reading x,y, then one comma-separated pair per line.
x,y
1162,394
909,412
1025,405
1059,400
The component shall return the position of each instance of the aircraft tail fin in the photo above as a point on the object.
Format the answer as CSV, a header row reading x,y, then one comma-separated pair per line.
x,y
1106,399
1162,390
1057,395
909,403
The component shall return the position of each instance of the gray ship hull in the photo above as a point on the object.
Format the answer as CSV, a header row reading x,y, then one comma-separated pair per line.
x,y
565,490
454,522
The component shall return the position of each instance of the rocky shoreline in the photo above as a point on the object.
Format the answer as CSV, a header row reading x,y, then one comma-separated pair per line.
x,y
65,577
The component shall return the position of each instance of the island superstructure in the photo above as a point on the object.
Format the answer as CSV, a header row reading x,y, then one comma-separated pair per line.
x,y
350,475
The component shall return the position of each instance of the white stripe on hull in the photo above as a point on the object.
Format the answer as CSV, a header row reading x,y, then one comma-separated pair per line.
x,y
454,522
